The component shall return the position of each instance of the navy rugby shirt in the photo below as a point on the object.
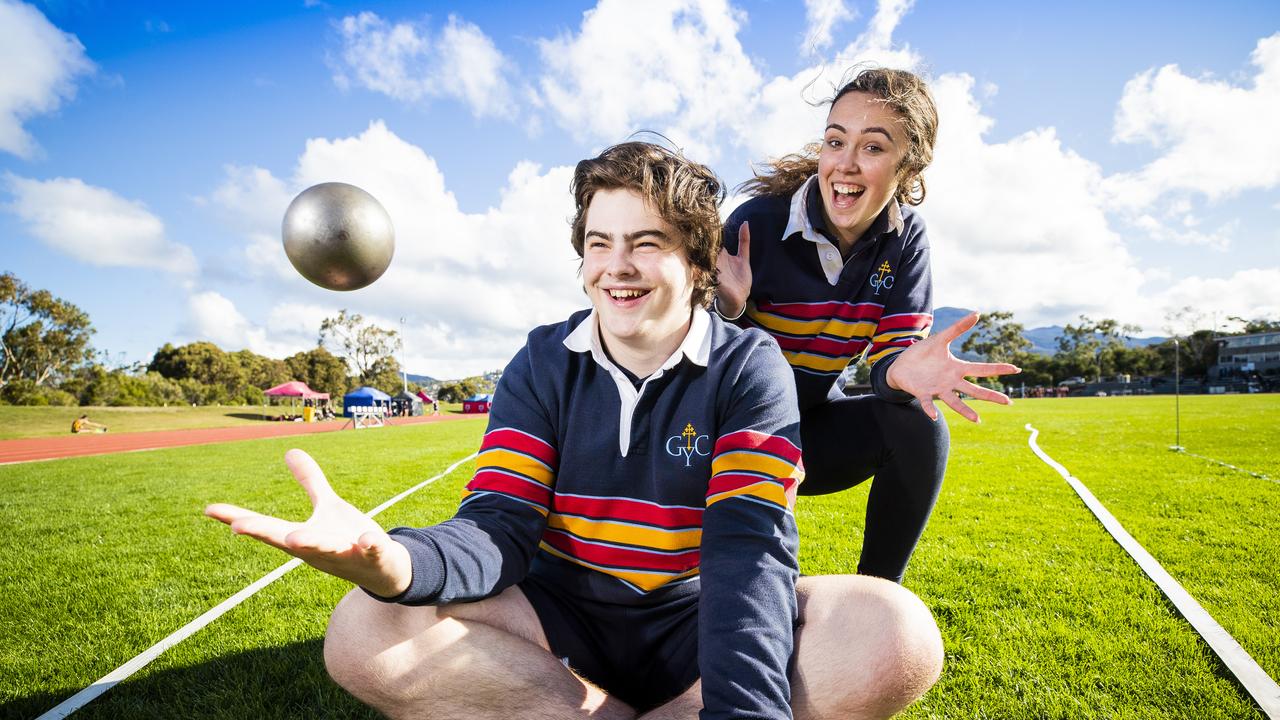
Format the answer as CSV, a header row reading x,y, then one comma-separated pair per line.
x,y
639,496
826,312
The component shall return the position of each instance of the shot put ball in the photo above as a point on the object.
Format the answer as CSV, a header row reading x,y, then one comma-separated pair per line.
x,y
338,236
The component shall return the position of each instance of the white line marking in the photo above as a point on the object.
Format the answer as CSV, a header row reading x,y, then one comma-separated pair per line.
x,y
82,698
1255,680
1260,476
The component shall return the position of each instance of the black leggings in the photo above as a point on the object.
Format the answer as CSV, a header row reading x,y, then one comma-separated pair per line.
x,y
848,440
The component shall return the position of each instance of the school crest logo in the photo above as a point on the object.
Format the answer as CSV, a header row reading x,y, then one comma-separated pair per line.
x,y
688,444
882,278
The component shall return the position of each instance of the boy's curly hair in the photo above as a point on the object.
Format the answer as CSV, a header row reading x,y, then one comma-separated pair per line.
x,y
685,194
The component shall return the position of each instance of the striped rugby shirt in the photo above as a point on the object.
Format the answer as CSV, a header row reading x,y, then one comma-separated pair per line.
x,y
824,312
638,497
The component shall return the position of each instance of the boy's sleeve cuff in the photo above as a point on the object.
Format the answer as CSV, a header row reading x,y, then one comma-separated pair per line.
x,y
428,568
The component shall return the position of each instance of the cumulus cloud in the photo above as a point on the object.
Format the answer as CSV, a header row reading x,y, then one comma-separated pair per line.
x,y
95,226
1215,138
41,66
1024,225
404,61
469,285
673,66
1020,224
788,111
214,317
823,16
1253,293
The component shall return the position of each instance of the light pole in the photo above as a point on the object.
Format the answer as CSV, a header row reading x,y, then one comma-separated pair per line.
x,y
1177,396
404,374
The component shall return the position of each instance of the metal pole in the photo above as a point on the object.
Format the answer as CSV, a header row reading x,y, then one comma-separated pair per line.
x,y
1177,396
404,374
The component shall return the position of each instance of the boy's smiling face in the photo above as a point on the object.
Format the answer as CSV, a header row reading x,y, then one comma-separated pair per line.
x,y
635,270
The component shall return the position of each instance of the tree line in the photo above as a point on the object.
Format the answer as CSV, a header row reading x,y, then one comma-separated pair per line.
x,y
1098,349
46,359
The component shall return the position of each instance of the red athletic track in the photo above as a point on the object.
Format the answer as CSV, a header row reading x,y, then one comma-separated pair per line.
x,y
49,448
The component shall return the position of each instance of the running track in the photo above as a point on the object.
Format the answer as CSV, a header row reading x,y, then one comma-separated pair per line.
x,y
62,446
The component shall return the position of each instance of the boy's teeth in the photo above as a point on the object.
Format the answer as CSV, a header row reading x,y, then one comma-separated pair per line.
x,y
620,294
847,189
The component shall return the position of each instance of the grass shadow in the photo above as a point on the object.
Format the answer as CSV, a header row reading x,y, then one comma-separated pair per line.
x,y
286,682
249,416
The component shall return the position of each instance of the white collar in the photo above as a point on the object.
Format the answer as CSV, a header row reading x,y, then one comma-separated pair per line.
x,y
586,338
696,344
798,216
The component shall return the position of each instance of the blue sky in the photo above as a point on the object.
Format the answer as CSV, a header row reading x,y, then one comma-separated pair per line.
x,y
1109,159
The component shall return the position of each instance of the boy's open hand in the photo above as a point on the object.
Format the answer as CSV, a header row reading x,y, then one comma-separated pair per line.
x,y
337,539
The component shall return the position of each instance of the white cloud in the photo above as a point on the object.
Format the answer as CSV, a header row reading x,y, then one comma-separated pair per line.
x,y
405,62
469,285
1023,225
1187,234
41,64
672,66
1249,294
823,16
1215,138
95,226
1020,225
788,112
213,317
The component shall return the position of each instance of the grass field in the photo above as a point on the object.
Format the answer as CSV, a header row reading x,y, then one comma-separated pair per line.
x,y
26,422
1043,615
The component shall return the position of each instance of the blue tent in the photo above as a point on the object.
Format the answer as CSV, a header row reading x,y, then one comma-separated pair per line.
x,y
364,397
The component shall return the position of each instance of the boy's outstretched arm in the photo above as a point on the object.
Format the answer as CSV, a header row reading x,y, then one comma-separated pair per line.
x,y
337,539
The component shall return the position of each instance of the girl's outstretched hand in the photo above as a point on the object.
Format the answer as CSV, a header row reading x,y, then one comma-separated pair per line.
x,y
930,372
337,539
734,276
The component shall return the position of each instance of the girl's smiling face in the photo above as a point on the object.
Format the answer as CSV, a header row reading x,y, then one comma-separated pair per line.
x,y
862,150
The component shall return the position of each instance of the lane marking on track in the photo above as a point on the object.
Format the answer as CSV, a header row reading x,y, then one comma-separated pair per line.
x,y
1264,691
1260,476
82,698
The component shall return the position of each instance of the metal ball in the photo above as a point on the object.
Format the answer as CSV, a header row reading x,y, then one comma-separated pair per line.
x,y
338,236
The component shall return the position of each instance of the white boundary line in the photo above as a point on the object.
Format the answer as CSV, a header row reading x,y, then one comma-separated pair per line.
x,y
1255,680
82,698
1260,476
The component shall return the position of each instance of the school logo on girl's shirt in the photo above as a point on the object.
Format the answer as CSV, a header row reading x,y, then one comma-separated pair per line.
x,y
688,444
882,278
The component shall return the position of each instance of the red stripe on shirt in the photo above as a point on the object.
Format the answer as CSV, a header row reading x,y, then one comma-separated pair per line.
x,y
620,557
724,482
905,321
628,510
825,310
760,442
507,439
825,346
490,481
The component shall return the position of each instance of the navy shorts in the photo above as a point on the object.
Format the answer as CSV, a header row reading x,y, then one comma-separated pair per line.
x,y
643,655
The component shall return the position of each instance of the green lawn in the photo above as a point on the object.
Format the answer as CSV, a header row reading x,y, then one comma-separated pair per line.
x,y
25,422
1043,615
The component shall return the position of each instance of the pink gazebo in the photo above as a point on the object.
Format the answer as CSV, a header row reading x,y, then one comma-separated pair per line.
x,y
295,390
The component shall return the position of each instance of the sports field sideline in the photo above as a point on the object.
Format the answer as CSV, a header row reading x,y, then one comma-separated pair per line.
x,y
1042,613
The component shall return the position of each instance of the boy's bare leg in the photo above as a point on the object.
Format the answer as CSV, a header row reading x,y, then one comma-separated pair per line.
x,y
866,648
488,659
